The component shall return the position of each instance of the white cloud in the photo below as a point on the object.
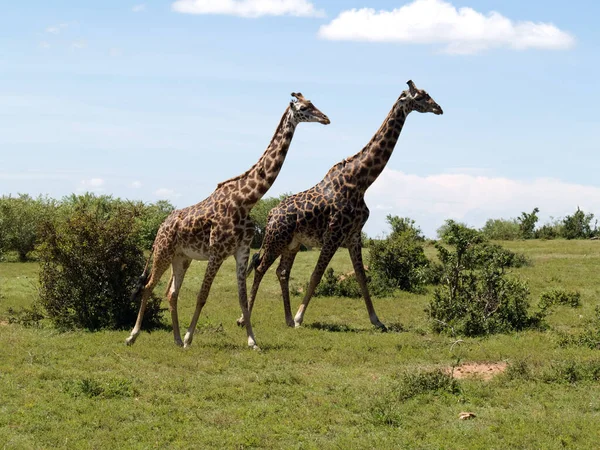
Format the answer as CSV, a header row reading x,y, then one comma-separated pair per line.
x,y
461,30
166,194
44,44
91,185
139,8
430,200
248,8
136,184
56,29
115,52
79,44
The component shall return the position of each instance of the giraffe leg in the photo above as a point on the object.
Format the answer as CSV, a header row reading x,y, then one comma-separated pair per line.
x,y
214,263
355,250
241,260
327,252
180,266
266,262
283,273
159,266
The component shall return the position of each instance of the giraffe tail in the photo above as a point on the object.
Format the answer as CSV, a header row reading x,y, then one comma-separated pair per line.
x,y
143,279
254,263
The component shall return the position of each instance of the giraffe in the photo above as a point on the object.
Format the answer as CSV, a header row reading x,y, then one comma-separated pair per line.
x,y
332,213
219,226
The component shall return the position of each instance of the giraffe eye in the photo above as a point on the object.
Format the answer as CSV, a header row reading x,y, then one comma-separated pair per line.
x,y
303,108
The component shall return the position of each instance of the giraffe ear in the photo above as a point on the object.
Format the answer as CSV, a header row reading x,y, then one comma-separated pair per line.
x,y
298,95
411,86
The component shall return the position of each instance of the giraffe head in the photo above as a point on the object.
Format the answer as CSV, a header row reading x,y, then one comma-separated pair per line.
x,y
304,111
420,100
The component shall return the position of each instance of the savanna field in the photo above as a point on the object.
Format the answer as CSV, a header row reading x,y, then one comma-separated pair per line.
x,y
334,383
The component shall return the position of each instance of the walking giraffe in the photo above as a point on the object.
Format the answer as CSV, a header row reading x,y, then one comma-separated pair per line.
x,y
332,213
219,226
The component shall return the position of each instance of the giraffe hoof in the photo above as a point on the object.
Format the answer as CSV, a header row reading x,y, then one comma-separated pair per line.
x,y
256,348
130,341
240,323
178,343
291,324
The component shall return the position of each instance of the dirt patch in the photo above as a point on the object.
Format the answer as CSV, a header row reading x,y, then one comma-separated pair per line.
x,y
3,323
484,371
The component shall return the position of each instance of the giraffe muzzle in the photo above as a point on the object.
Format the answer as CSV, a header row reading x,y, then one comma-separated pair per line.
x,y
325,120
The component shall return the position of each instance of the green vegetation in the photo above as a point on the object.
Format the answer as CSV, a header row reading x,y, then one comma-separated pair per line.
x,y
90,265
22,219
334,383
476,296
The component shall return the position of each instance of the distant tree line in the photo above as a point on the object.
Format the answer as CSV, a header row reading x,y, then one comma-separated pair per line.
x,y
22,218
578,225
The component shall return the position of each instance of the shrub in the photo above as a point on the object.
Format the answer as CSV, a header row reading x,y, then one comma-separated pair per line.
x,y
333,286
20,219
560,297
549,231
260,215
399,262
150,219
90,264
578,226
476,296
501,230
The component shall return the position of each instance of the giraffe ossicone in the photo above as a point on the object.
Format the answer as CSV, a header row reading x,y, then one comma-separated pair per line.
x,y
218,227
333,212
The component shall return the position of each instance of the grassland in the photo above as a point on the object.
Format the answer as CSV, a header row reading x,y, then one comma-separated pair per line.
x,y
334,383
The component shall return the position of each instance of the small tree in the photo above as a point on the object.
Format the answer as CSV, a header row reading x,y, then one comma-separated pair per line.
x,y
476,297
399,262
90,264
578,226
527,223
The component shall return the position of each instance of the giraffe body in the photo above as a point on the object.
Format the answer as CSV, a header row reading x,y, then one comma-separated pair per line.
x,y
332,213
218,227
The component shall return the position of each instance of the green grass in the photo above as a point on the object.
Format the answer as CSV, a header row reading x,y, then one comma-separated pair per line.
x,y
334,383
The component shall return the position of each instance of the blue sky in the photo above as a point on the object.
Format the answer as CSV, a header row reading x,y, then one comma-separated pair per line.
x,y
164,99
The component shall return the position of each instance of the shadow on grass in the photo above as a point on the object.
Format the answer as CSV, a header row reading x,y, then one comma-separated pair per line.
x,y
342,328
333,327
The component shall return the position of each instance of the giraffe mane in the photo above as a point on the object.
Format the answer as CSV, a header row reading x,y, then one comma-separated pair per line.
x,y
245,174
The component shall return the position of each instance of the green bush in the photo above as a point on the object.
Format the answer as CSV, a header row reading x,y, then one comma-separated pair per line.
x,y
260,215
20,219
150,219
90,264
501,230
476,296
560,297
333,286
578,226
399,262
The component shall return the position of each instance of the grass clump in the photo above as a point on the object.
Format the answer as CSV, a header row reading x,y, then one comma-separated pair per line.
x,y
589,337
560,297
91,388
386,408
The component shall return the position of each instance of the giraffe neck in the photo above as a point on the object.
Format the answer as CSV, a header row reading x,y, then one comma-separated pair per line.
x,y
256,181
364,167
